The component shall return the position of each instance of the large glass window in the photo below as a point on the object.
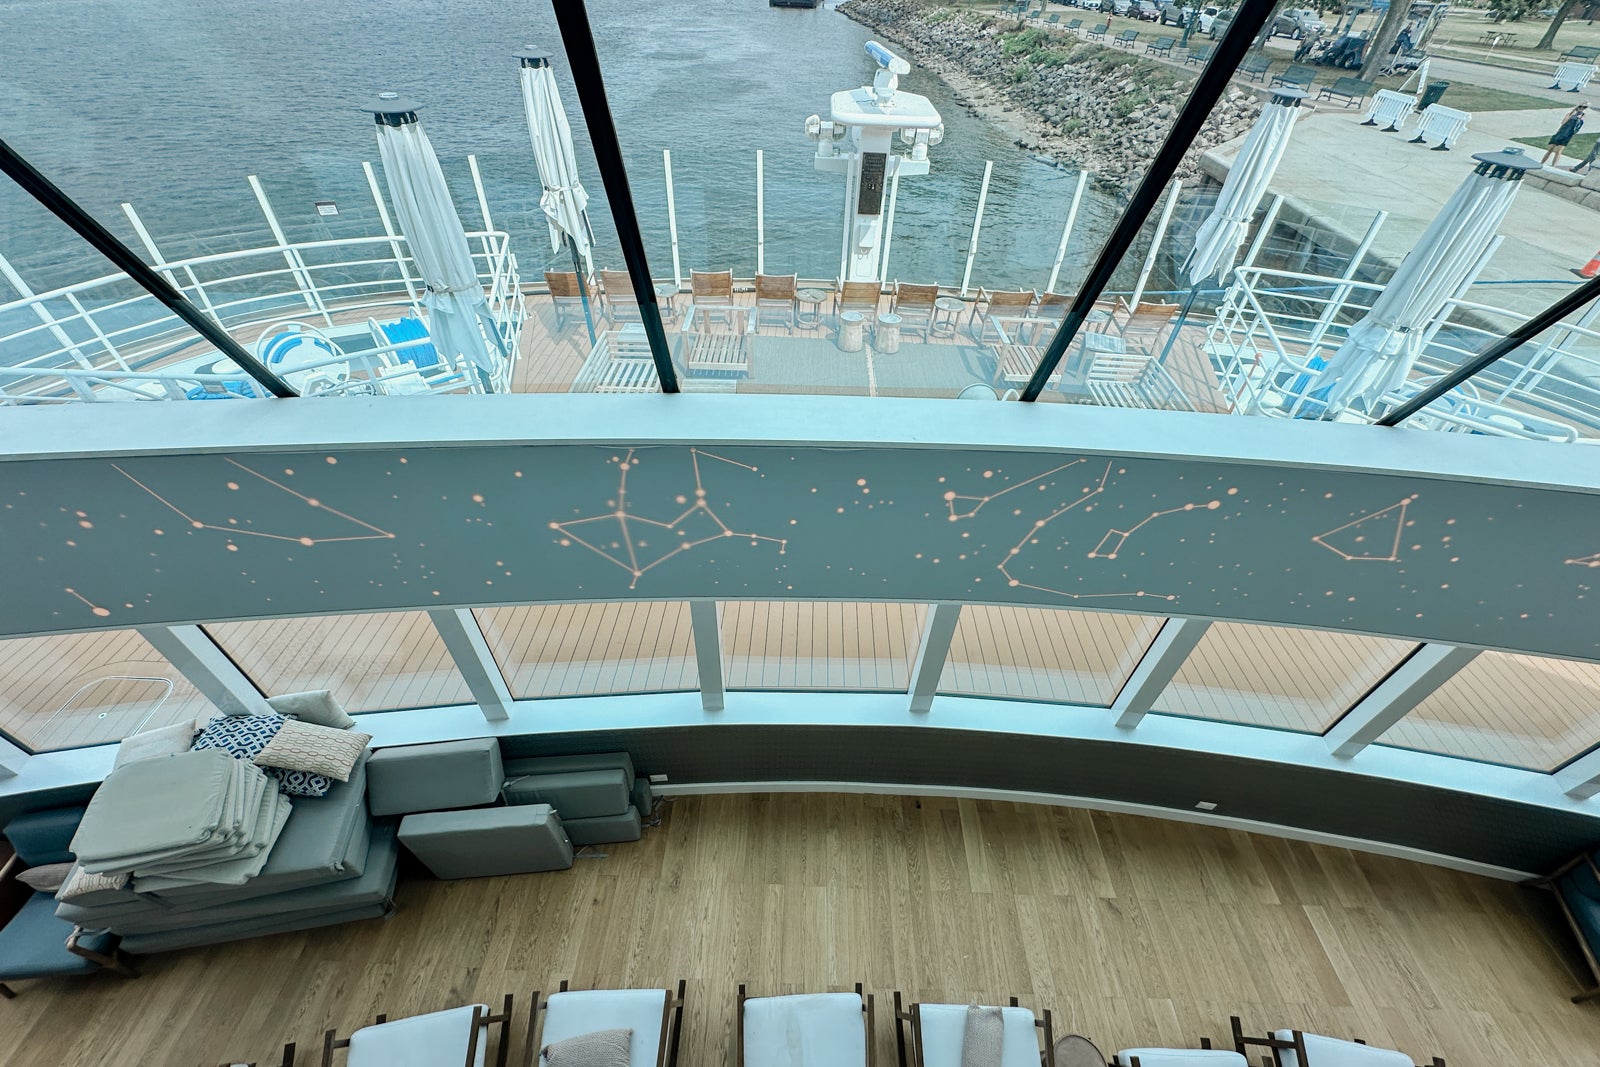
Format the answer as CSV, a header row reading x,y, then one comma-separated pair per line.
x,y
774,644
89,689
1526,711
1055,654
547,650
371,662
1277,676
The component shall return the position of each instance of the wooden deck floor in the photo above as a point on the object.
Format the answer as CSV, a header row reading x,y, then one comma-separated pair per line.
x,y
1132,931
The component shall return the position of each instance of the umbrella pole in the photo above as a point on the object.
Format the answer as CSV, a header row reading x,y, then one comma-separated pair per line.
x,y
1183,317
583,285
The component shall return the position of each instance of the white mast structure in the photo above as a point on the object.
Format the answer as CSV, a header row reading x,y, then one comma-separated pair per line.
x,y
857,140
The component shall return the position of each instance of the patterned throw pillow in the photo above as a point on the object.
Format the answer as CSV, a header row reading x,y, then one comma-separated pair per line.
x,y
601,1048
300,783
300,746
80,884
240,736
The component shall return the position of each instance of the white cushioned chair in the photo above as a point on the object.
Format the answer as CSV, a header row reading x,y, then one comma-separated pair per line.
x,y
1295,1048
437,1039
805,1030
654,1015
1180,1057
939,1030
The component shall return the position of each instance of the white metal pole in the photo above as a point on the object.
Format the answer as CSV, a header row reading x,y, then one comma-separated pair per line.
x,y
394,238
297,266
977,224
1066,231
888,228
1341,292
157,259
672,219
483,199
761,216
1484,257
849,217
1267,222
26,291
1155,246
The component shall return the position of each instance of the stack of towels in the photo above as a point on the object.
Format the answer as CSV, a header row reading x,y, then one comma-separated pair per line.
x,y
201,815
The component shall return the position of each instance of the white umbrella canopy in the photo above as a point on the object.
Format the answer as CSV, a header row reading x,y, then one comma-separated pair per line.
x,y
458,313
564,201
1223,231
1381,349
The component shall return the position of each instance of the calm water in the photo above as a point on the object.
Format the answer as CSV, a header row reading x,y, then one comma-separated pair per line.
x,y
169,104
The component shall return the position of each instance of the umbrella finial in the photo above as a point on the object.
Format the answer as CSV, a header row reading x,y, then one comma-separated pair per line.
x,y
389,108
532,55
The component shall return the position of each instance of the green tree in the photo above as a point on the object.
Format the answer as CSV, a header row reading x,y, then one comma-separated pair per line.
x,y
1377,55
1514,10
1570,7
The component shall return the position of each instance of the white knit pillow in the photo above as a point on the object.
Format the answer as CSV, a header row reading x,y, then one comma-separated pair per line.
x,y
80,884
601,1048
166,741
316,707
300,746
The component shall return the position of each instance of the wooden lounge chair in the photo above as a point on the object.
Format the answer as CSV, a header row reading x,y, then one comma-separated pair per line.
x,y
1006,304
1161,46
620,303
857,296
711,297
1296,76
567,293
914,305
831,1029
1134,380
655,1017
455,1035
1350,90
938,1032
775,300
1254,68
1312,1050
1142,323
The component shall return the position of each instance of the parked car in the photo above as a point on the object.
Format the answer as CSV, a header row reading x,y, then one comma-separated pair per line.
x,y
1117,7
1173,15
1147,11
1296,22
1207,16
1220,23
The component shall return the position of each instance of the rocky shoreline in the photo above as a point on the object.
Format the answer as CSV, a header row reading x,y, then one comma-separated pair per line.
x,y
1081,105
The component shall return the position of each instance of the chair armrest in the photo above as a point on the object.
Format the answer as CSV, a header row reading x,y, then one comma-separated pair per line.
x,y
11,868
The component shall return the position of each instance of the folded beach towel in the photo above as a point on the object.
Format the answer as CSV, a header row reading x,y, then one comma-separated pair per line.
x,y
983,1041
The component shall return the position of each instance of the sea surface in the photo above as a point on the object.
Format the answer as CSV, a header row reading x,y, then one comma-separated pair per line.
x,y
170,104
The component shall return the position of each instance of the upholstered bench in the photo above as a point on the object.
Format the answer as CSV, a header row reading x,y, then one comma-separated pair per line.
x,y
434,777
486,841
597,794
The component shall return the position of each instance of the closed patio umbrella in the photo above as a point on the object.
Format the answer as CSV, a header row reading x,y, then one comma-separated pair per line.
x,y
1217,240
459,323
564,201
1381,349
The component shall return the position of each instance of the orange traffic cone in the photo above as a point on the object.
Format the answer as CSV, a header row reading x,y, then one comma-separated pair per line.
x,y
1591,268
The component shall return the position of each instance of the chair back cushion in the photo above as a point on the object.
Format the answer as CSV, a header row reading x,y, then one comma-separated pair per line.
x,y
581,1011
1332,1052
808,1030
942,1028
439,1037
1181,1057
42,837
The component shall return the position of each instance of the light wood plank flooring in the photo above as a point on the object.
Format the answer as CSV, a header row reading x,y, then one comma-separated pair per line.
x,y
1131,930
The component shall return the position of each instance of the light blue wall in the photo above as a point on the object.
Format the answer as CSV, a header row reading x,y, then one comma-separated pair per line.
x,y
108,518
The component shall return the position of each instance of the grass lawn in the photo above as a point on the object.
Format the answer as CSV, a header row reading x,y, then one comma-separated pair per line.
x,y
1577,149
1464,96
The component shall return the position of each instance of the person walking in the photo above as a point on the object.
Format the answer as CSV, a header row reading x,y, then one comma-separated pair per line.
x,y
1565,133
1588,160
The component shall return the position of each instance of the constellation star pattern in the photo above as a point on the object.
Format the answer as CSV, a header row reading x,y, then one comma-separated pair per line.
x,y
91,605
1591,560
1122,536
236,530
634,564
1355,536
950,498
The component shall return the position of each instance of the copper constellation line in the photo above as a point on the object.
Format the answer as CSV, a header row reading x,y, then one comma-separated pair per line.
x,y
375,535
623,517
1394,549
950,498
1123,535
1591,560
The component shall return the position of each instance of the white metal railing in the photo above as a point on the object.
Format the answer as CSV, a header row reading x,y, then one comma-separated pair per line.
x,y
105,339
1275,330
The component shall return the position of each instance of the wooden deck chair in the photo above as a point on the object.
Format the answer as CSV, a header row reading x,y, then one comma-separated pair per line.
x,y
1295,1048
775,297
655,1017
711,297
938,1032
1005,303
1142,323
566,293
1052,307
1204,1056
835,1030
621,305
438,1039
857,296
914,305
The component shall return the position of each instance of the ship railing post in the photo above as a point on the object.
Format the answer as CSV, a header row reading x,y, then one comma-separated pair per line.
x,y
44,316
761,215
297,265
888,228
158,259
672,219
1155,246
394,238
1066,232
977,225
1341,292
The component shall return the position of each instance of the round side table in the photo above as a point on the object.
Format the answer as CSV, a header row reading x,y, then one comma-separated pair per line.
x,y
886,336
813,298
852,331
666,296
945,311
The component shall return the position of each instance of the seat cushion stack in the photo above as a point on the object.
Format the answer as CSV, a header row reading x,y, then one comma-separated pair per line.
x,y
597,795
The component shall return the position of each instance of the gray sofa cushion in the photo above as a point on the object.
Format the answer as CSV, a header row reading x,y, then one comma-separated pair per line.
x,y
575,794
450,774
584,761
643,797
605,829
42,837
487,841
34,943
